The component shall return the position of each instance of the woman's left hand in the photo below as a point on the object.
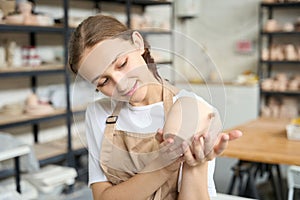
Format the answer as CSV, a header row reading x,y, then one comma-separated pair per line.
x,y
194,154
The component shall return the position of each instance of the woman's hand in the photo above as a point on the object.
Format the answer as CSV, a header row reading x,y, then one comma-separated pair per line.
x,y
194,154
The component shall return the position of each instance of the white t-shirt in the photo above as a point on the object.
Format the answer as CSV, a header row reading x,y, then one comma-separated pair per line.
x,y
141,119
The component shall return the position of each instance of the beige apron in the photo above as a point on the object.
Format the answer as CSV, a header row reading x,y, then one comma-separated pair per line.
x,y
124,154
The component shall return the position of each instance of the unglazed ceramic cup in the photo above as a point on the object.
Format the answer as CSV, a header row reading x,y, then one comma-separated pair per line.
x,y
190,116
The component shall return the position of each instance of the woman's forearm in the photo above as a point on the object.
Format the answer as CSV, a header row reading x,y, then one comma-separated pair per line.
x,y
138,187
194,182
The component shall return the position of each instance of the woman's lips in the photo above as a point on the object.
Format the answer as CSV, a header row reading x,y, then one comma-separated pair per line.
x,y
133,89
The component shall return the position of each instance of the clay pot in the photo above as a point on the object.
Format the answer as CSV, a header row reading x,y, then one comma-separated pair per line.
x,y
282,77
293,85
271,26
277,53
288,27
190,116
32,100
291,53
267,84
298,50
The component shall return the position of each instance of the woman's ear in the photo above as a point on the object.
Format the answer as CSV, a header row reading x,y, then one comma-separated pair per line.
x,y
138,41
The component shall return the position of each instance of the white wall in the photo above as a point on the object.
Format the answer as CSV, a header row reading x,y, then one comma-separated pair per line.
x,y
218,26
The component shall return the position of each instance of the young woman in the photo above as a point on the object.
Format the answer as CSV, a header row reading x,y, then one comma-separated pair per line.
x,y
128,157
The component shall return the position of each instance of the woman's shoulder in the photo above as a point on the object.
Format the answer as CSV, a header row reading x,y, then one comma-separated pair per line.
x,y
187,93
100,105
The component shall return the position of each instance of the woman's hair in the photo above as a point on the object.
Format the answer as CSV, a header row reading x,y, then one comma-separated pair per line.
x,y
97,28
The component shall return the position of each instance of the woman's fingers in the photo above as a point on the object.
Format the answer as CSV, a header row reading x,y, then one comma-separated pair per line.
x,y
235,134
194,154
224,139
198,145
221,145
159,135
188,155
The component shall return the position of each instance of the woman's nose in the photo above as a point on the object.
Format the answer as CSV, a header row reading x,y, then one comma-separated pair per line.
x,y
121,82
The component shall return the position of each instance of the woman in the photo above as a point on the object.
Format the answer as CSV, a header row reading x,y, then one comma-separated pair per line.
x,y
128,157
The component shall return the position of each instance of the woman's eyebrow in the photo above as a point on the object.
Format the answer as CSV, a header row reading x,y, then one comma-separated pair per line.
x,y
96,78
114,61
117,57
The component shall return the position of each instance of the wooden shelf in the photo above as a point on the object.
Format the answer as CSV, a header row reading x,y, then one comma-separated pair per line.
x,y
7,121
26,29
281,33
140,2
26,71
280,62
58,149
282,5
290,93
79,109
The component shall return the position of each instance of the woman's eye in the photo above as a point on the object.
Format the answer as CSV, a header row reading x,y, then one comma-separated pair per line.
x,y
103,82
123,64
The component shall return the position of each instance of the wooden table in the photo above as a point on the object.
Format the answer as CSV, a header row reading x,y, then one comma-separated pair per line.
x,y
264,141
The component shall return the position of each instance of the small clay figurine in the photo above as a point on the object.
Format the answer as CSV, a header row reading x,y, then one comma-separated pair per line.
x,y
281,82
33,106
291,53
267,84
294,84
25,9
265,54
277,53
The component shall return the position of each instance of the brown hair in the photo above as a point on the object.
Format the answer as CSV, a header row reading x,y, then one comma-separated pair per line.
x,y
97,28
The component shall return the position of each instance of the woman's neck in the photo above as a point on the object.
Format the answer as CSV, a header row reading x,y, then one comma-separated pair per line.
x,y
154,94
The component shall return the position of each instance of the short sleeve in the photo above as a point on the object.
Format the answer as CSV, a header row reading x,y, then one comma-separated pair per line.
x,y
94,135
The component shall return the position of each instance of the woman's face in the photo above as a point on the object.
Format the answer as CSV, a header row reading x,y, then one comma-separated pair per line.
x,y
117,69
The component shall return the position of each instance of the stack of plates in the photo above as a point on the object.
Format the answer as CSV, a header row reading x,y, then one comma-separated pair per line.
x,y
12,109
39,109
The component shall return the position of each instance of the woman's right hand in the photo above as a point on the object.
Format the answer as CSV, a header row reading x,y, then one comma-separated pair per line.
x,y
167,158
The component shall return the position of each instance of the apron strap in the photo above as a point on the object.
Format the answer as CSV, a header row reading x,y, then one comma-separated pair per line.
x,y
111,121
168,94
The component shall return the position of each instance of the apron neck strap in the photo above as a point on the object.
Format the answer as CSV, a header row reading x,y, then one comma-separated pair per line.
x,y
168,92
